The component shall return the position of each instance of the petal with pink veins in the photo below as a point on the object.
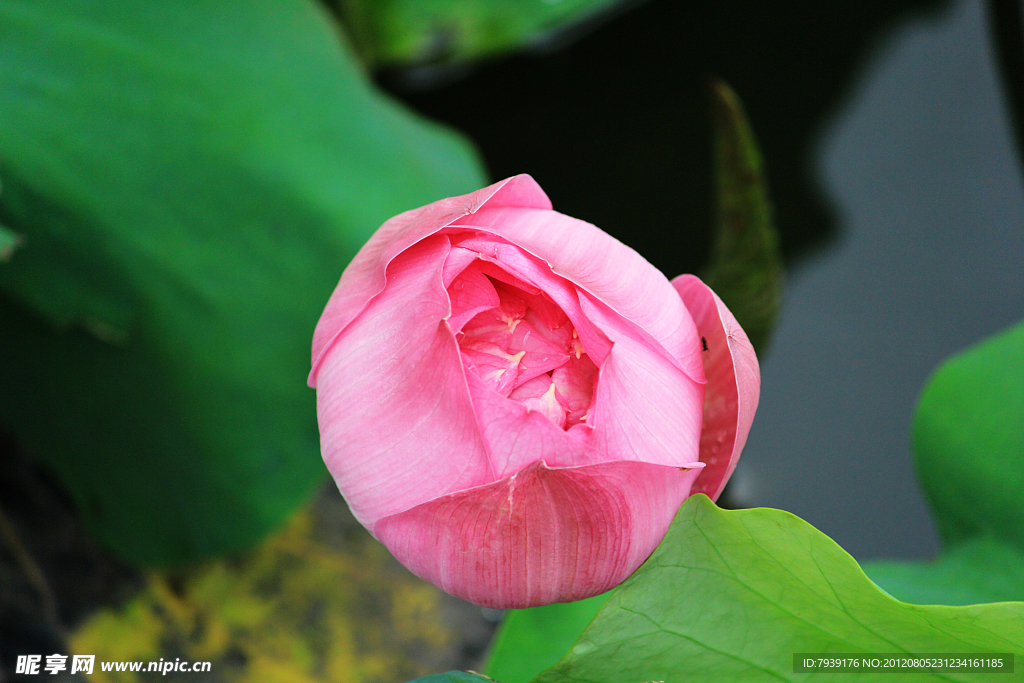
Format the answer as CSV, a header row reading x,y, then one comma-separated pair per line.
x,y
364,278
538,394
508,350
542,535
601,265
392,400
458,260
512,265
574,384
516,436
496,367
646,408
545,314
733,384
542,355
470,293
503,273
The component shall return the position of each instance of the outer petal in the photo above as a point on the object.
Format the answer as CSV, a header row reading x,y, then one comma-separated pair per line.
x,y
540,536
606,268
397,427
645,408
733,384
364,278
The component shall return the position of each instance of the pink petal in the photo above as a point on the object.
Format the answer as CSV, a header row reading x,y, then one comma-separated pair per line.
x,y
517,338
574,384
646,408
492,364
515,359
470,293
733,384
510,264
489,261
516,436
364,278
546,317
538,394
543,535
458,260
397,427
542,355
601,265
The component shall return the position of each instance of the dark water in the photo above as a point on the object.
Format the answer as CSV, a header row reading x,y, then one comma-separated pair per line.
x,y
920,166
615,125
898,198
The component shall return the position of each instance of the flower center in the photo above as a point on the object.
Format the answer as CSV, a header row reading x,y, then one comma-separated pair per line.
x,y
525,347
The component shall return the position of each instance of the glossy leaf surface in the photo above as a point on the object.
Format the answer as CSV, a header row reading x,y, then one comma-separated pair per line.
x,y
731,595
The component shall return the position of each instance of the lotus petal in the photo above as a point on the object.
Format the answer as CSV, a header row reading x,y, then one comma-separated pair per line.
x,y
392,400
599,264
364,278
733,384
542,535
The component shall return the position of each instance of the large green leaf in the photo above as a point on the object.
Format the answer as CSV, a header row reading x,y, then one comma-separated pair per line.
x,y
391,32
531,640
732,595
9,241
969,441
746,262
969,449
980,570
190,180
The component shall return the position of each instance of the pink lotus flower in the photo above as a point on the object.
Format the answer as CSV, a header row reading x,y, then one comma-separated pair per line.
x,y
516,404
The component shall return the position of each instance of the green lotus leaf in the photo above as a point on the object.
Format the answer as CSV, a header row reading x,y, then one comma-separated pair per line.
x,y
530,640
733,595
190,181
968,441
410,32
977,571
969,451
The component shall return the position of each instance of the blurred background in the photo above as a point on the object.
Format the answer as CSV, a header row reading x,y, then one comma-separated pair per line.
x,y
180,189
